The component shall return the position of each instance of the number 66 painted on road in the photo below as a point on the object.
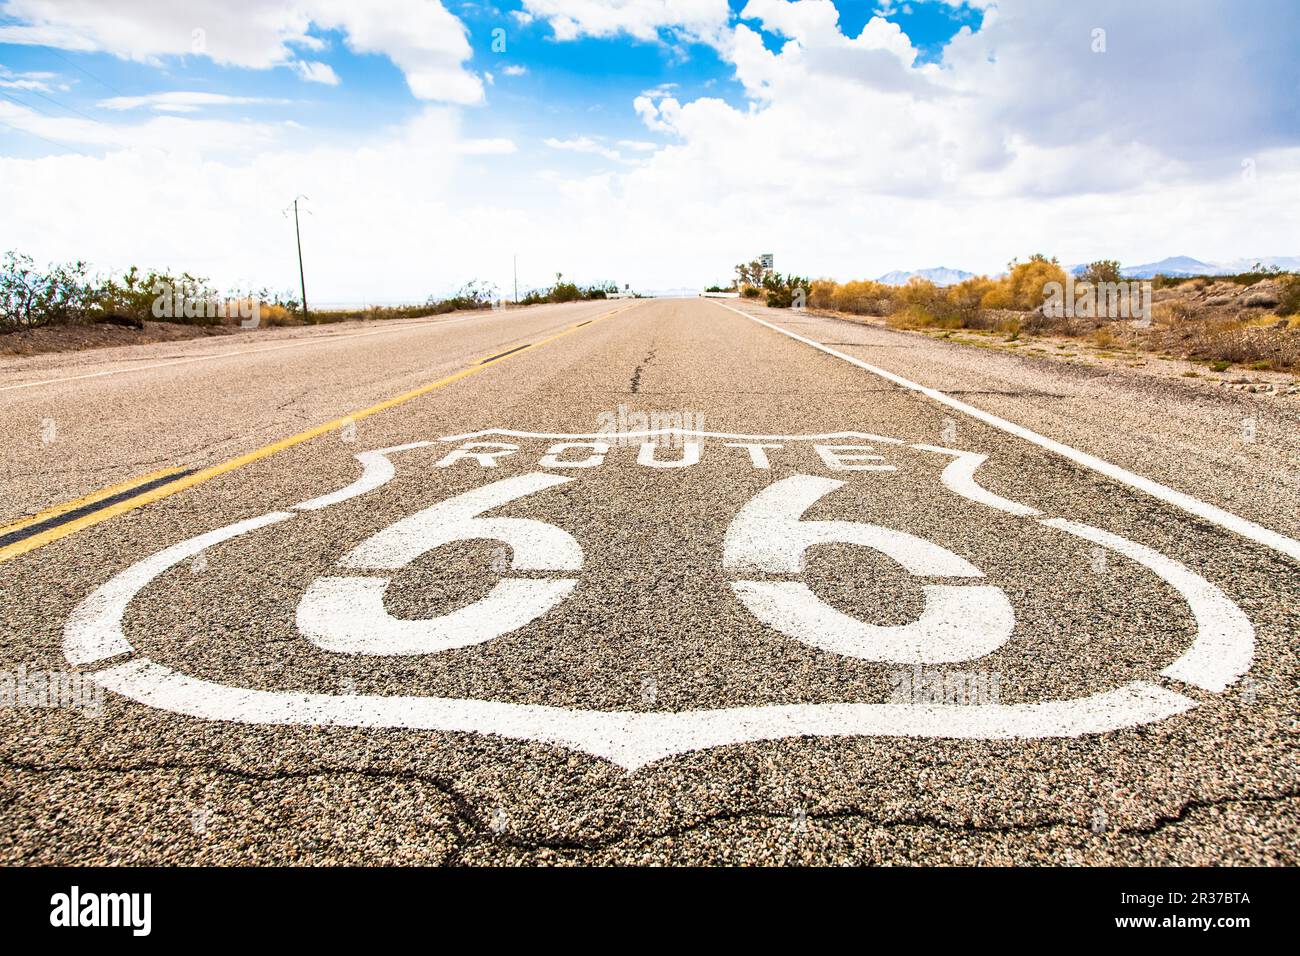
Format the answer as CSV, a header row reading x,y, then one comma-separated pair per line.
x,y
347,614
960,622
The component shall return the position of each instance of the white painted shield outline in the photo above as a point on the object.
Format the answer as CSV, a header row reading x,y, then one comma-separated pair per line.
x,y
1221,653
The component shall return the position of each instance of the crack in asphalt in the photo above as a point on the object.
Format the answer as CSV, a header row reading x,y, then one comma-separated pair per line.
x,y
470,830
635,385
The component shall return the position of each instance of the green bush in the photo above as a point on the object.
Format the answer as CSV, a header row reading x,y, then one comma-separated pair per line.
x,y
782,291
569,292
1103,270
30,297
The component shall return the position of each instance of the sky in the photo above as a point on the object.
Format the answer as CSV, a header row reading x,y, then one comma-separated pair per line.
x,y
654,143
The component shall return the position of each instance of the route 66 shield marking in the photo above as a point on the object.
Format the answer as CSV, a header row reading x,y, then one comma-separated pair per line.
x,y
964,617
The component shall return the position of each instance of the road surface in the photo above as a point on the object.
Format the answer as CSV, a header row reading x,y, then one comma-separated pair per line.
x,y
670,581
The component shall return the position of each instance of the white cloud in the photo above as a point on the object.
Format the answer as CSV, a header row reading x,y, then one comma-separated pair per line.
x,y
853,158
486,147
659,116
663,89
584,144
515,70
421,37
643,19
179,101
37,81
174,136
420,196
833,112
316,72
25,85
429,44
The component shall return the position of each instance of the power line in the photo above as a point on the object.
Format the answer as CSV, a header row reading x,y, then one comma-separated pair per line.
x,y
27,106
32,106
18,129
103,83
65,106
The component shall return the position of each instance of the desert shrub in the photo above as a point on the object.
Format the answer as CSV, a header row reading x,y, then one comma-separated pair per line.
x,y
1288,299
1256,273
561,291
1102,337
601,290
132,297
186,299
474,294
912,317
821,295
1103,270
1173,312
962,301
864,298
1024,287
565,292
1261,300
1161,281
921,293
783,290
277,315
32,297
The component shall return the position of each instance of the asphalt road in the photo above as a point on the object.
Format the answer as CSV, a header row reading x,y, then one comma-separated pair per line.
x,y
857,597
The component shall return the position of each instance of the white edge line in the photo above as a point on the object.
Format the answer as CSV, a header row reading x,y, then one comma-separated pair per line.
x,y
1208,512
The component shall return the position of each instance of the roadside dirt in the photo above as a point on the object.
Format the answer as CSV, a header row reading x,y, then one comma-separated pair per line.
x,y
74,338
1083,351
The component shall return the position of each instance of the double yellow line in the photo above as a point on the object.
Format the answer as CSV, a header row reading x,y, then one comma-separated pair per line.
x,y
189,479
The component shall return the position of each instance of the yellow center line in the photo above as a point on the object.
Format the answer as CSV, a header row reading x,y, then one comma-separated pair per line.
x,y
90,499
205,474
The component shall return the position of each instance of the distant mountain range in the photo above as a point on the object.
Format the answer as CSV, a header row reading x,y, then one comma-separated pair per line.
x,y
1187,266
1173,266
940,275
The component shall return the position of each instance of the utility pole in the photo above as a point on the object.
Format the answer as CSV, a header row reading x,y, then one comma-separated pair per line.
x,y
301,278
516,278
